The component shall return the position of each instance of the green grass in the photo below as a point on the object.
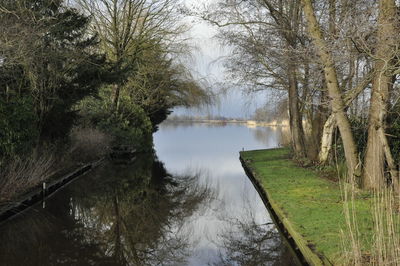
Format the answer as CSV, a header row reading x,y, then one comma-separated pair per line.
x,y
310,205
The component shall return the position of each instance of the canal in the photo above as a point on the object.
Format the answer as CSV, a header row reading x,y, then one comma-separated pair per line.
x,y
190,204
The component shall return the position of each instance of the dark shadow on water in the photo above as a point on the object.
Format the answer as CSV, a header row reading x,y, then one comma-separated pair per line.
x,y
113,216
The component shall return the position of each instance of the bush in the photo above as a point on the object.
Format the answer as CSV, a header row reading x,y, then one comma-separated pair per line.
x,y
18,126
360,133
88,144
129,126
19,175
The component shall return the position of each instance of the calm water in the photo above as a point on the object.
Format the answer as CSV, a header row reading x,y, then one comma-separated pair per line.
x,y
191,204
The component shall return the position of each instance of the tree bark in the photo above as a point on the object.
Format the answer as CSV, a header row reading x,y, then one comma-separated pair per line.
x,y
295,118
330,124
394,173
374,170
337,103
316,116
326,140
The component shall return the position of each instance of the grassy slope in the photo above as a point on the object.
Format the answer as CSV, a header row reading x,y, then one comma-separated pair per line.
x,y
311,204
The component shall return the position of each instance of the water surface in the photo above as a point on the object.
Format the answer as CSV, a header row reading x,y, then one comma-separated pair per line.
x,y
191,204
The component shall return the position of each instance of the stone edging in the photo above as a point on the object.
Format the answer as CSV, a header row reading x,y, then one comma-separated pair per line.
x,y
304,254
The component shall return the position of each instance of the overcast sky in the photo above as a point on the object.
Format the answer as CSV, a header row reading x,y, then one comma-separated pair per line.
x,y
207,61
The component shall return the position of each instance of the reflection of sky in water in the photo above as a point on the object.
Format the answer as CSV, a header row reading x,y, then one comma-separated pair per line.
x,y
214,150
208,212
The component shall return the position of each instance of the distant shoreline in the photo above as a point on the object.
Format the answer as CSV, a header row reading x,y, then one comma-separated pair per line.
x,y
283,123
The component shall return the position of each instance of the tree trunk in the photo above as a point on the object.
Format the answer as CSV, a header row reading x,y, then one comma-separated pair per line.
x,y
288,18
115,100
316,116
374,170
330,124
322,114
295,118
327,138
394,173
337,103
332,18
317,122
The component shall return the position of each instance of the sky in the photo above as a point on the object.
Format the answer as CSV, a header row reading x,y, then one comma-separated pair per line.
x,y
207,62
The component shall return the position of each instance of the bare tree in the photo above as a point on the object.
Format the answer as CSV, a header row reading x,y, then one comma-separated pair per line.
x,y
387,48
337,102
127,28
266,37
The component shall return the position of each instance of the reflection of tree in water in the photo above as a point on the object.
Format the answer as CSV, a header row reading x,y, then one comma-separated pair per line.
x,y
271,135
261,134
250,238
41,239
249,243
130,216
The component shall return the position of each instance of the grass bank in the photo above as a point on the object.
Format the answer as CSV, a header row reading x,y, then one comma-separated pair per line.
x,y
311,207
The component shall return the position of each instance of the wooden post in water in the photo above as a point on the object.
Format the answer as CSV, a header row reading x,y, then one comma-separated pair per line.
x,y
44,195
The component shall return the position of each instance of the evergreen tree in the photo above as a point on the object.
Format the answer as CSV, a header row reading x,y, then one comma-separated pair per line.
x,y
48,58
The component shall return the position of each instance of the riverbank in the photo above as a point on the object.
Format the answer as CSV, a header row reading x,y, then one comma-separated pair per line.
x,y
311,208
43,187
40,192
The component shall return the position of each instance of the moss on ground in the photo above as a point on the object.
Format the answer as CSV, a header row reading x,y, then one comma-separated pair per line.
x,y
313,205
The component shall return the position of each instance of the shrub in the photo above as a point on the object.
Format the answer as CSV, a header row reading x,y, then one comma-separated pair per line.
x,y
18,126
19,175
88,144
129,126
